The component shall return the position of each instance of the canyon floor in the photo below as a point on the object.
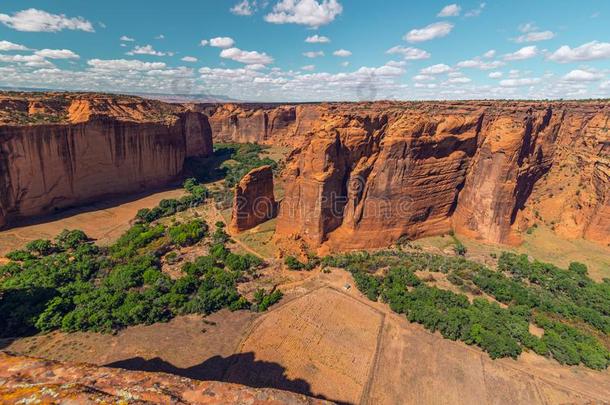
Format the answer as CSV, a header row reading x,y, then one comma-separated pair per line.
x,y
324,339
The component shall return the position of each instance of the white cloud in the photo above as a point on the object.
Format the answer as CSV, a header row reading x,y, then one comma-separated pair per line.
x,y
579,75
317,39
247,57
527,81
476,12
478,63
33,20
312,13
345,63
191,59
57,54
435,69
459,80
605,85
589,51
435,30
309,67
27,60
342,53
423,78
9,46
490,54
145,50
126,38
204,42
409,53
160,36
124,64
222,42
526,52
535,36
495,75
313,54
452,10
243,8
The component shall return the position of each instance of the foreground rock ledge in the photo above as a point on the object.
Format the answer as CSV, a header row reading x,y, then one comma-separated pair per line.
x,y
29,380
253,202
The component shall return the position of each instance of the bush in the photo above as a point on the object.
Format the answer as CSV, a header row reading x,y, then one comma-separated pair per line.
x,y
189,233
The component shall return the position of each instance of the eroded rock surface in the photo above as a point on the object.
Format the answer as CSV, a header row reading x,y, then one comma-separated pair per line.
x,y
28,380
253,202
58,151
374,172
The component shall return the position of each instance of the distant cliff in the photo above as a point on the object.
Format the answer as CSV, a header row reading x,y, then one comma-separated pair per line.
x,y
370,173
62,151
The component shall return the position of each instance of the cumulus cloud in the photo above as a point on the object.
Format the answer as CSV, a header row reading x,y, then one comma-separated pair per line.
x,y
243,8
423,78
9,46
204,42
345,63
126,38
145,50
459,80
342,53
451,10
435,69
590,51
526,52
309,67
579,75
490,54
312,13
190,59
435,30
160,36
26,60
124,64
33,20
313,54
535,36
409,53
495,75
317,39
222,42
247,57
57,54
478,63
526,81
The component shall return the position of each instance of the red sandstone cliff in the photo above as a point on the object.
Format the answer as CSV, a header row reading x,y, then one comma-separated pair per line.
x,y
253,202
72,149
28,380
374,172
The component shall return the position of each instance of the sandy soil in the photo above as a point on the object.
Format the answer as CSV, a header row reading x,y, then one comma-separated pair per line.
x,y
104,221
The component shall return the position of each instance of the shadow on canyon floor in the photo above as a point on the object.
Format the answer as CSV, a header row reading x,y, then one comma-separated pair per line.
x,y
239,368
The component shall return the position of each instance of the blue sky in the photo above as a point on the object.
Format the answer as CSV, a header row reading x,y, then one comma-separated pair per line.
x,y
311,50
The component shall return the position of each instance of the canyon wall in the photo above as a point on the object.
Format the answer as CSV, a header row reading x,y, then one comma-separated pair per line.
x,y
372,173
253,202
92,152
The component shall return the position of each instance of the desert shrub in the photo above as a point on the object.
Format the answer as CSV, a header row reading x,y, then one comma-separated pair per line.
x,y
189,233
263,301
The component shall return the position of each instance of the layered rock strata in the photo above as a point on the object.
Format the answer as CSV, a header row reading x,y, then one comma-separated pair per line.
x,y
253,202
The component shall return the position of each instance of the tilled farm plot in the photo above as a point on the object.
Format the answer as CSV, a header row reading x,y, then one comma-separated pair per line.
x,y
322,344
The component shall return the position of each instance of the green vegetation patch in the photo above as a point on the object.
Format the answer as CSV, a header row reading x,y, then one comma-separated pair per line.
x,y
573,310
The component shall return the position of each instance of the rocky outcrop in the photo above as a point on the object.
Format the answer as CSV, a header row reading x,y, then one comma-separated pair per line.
x,y
374,172
28,380
253,202
92,149
286,125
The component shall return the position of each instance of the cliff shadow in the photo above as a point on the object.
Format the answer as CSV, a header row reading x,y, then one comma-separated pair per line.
x,y
209,169
238,368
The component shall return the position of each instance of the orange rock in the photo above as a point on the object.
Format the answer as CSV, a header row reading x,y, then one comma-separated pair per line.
x,y
253,202
29,380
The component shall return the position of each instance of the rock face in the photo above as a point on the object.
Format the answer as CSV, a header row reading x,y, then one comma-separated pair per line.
x,y
253,202
28,380
286,125
81,149
374,172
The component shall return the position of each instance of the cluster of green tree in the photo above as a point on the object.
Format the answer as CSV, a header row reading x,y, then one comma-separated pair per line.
x,y
74,285
559,301
197,194
263,300
296,265
243,158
